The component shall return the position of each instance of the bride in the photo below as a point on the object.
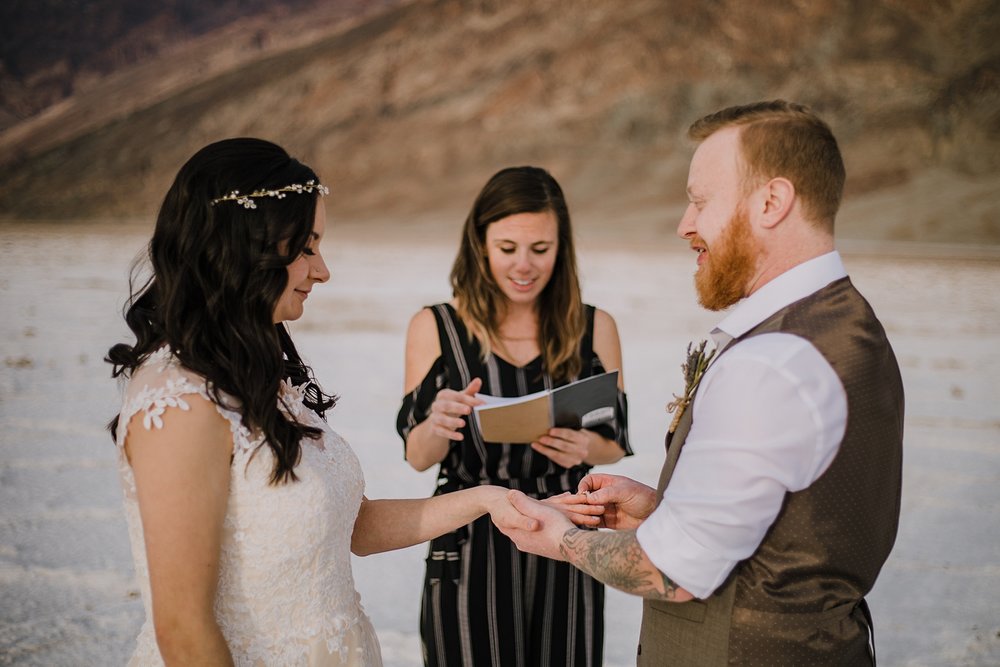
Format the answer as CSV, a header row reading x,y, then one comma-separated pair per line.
x,y
243,507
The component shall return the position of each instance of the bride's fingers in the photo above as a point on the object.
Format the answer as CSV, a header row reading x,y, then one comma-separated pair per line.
x,y
566,498
575,502
582,520
588,510
580,513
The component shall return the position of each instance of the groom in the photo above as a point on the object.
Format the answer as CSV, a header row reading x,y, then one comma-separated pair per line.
x,y
779,500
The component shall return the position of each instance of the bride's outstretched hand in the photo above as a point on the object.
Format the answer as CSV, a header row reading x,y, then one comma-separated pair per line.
x,y
552,525
506,517
577,509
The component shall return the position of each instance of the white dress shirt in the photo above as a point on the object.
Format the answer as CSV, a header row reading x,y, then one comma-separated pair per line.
x,y
769,417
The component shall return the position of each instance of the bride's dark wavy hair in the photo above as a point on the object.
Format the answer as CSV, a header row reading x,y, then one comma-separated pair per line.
x,y
217,274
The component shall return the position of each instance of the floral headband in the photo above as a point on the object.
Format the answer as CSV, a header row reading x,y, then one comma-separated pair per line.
x,y
246,201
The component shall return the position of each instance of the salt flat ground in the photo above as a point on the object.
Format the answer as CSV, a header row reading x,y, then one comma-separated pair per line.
x,y
67,596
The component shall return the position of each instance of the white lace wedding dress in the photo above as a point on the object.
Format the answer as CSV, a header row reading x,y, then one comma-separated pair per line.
x,y
286,594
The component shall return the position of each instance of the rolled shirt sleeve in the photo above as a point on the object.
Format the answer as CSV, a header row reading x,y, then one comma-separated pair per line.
x,y
768,419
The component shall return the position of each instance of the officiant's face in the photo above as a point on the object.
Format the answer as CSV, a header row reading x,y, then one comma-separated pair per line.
x,y
522,252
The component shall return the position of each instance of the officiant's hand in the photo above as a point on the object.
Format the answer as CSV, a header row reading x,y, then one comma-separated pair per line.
x,y
626,502
450,407
567,447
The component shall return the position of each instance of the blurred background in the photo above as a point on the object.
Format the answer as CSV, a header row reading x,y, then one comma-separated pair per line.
x,y
405,108
408,106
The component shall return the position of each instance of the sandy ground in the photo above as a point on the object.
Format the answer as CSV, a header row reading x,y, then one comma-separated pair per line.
x,y
67,596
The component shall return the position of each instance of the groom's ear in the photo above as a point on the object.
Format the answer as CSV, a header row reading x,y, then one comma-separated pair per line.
x,y
773,201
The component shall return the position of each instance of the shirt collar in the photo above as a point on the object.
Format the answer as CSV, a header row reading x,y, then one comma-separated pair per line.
x,y
791,286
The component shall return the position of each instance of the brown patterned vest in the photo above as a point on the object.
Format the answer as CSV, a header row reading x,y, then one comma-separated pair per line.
x,y
795,600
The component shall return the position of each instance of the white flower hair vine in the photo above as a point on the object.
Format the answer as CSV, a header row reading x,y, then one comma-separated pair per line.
x,y
247,200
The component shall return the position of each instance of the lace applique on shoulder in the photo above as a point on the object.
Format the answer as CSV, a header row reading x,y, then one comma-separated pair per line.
x,y
244,442
154,401
159,383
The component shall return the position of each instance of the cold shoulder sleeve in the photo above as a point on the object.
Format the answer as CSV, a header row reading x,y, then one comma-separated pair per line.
x,y
416,405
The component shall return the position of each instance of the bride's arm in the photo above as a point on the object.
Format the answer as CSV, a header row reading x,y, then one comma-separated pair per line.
x,y
384,525
181,471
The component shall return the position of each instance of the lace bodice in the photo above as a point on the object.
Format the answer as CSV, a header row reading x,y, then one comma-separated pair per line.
x,y
286,593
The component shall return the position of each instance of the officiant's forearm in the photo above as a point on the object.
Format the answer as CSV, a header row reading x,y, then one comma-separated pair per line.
x,y
424,449
388,524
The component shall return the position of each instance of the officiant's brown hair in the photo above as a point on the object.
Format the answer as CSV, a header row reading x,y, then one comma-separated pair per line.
x,y
481,302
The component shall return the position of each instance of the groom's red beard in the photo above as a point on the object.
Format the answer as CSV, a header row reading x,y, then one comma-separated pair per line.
x,y
730,263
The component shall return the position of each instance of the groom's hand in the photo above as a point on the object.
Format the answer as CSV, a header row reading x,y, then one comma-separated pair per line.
x,y
626,502
553,524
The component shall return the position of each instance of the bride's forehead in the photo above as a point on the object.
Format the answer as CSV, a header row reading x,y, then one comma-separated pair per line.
x,y
319,220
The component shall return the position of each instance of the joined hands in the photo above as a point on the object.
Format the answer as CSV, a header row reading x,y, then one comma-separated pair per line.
x,y
601,501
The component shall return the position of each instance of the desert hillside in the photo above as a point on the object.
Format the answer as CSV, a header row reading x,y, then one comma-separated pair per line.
x,y
406,108
54,49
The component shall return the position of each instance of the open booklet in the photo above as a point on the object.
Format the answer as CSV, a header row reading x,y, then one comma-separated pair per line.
x,y
580,404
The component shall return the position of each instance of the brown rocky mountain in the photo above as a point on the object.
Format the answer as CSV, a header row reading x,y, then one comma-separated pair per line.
x,y
54,49
407,110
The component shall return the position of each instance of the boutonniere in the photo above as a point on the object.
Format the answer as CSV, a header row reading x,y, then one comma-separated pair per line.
x,y
694,368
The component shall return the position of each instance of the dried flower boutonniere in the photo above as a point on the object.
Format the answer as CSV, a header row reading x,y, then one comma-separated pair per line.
x,y
694,368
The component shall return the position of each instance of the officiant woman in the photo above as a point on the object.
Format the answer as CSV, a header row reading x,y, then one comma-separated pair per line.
x,y
516,325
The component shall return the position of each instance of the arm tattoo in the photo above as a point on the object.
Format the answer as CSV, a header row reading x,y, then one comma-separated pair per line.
x,y
615,558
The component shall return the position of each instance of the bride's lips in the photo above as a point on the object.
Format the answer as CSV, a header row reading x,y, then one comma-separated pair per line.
x,y
522,285
302,293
